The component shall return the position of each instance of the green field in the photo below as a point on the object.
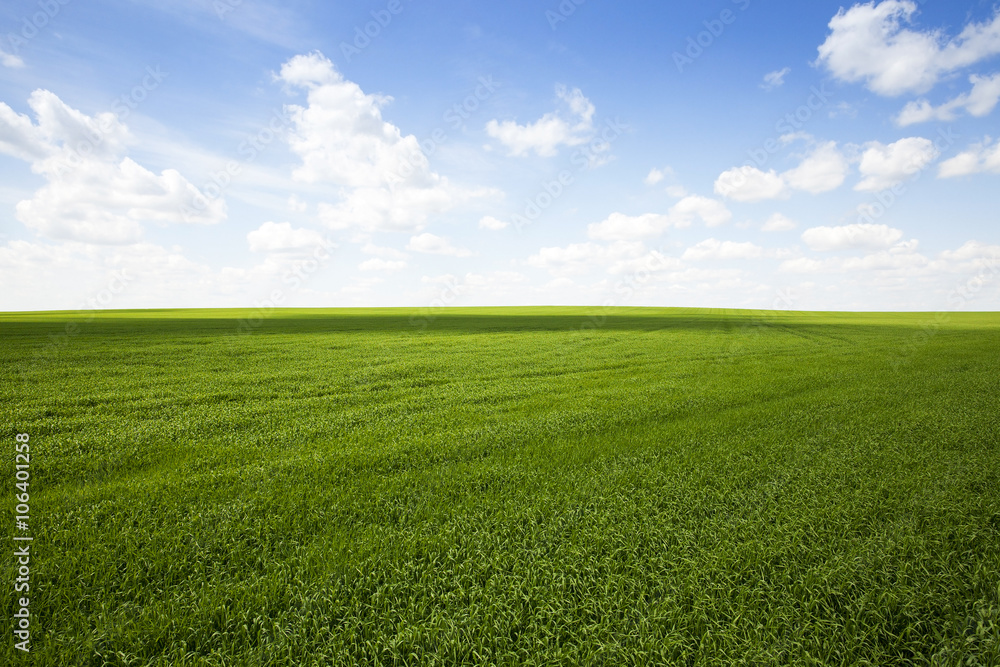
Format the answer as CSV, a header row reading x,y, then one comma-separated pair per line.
x,y
556,486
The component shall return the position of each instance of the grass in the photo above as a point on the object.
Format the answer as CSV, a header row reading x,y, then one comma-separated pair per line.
x,y
507,486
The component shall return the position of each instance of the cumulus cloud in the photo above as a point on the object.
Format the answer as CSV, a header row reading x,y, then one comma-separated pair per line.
x,y
385,178
775,79
281,237
979,102
878,261
579,258
715,249
10,60
551,131
621,227
493,224
851,236
94,193
711,211
749,184
383,251
871,43
973,250
977,158
384,265
778,223
822,170
436,245
655,176
884,166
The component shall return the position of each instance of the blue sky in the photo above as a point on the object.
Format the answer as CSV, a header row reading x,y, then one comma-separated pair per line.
x,y
210,153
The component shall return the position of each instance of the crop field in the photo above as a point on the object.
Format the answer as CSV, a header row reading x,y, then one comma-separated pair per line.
x,y
516,486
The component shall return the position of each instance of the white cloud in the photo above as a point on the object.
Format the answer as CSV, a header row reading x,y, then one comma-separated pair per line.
x,y
386,180
977,158
851,236
379,264
775,79
822,170
436,245
711,211
383,252
94,194
10,60
655,176
971,250
884,166
580,257
869,43
621,227
296,205
778,223
491,223
750,184
979,102
549,132
282,237
715,249
677,191
384,209
905,263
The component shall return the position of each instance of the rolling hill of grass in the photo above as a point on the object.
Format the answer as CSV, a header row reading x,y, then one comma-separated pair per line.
x,y
506,486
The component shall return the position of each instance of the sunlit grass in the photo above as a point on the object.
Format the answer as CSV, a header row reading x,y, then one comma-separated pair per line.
x,y
509,486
